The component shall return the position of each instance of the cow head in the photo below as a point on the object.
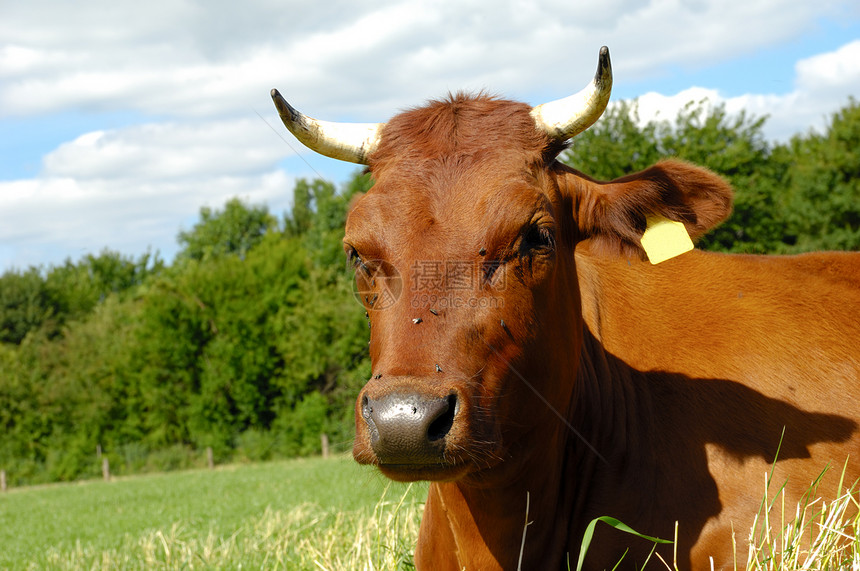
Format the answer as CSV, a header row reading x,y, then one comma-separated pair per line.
x,y
464,257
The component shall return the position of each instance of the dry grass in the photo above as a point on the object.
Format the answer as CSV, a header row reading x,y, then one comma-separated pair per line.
x,y
814,534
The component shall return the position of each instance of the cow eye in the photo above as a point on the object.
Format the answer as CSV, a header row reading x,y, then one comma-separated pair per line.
x,y
355,261
538,237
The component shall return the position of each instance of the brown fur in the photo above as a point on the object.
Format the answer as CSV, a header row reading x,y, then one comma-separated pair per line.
x,y
585,377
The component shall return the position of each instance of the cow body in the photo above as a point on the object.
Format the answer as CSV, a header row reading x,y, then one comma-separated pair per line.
x,y
728,351
535,369
689,372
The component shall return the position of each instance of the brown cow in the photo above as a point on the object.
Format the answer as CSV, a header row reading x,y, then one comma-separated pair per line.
x,y
524,354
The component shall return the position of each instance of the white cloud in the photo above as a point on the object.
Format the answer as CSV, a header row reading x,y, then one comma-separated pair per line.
x,y
167,151
209,59
829,70
53,217
823,85
658,107
131,189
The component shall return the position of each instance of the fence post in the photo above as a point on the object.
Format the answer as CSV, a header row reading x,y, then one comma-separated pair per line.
x,y
324,441
210,458
105,469
2,480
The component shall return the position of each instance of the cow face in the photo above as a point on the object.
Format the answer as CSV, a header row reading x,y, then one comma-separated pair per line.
x,y
457,250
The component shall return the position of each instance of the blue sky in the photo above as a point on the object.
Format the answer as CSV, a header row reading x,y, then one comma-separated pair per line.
x,y
119,120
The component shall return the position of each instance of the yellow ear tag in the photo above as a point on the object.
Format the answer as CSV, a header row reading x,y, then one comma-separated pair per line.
x,y
664,239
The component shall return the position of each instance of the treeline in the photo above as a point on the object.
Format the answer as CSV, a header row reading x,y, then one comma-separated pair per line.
x,y
250,341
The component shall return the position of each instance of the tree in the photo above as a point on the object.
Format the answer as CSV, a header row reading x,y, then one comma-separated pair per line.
x,y
50,298
23,304
318,216
823,186
234,230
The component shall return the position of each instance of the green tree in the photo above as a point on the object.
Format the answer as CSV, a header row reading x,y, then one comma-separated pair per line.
x,y
323,339
23,304
822,189
318,216
88,383
234,230
74,289
230,346
50,298
240,364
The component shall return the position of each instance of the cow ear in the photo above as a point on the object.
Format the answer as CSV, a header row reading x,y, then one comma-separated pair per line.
x,y
613,214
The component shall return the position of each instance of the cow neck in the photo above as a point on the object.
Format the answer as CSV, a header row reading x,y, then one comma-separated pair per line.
x,y
489,509
490,513
614,405
568,459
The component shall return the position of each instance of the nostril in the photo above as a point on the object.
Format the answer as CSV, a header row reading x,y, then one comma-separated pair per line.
x,y
366,407
440,427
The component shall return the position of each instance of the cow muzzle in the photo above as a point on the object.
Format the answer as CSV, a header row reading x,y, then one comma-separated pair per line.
x,y
409,429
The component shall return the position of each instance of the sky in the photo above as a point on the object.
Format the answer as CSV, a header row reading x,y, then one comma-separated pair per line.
x,y
119,120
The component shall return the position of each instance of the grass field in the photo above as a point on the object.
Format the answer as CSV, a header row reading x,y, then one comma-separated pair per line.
x,y
314,514
300,514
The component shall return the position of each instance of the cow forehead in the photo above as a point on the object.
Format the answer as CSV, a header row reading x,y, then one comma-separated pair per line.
x,y
462,125
465,165
446,212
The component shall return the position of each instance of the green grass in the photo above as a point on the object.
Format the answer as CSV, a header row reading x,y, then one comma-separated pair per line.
x,y
329,515
300,514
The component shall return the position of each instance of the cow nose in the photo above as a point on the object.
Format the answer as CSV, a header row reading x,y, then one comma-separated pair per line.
x,y
409,428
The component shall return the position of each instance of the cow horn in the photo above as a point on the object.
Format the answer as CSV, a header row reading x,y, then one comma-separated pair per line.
x,y
351,142
565,118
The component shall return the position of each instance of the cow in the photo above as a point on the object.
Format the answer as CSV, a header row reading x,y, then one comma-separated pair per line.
x,y
531,364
